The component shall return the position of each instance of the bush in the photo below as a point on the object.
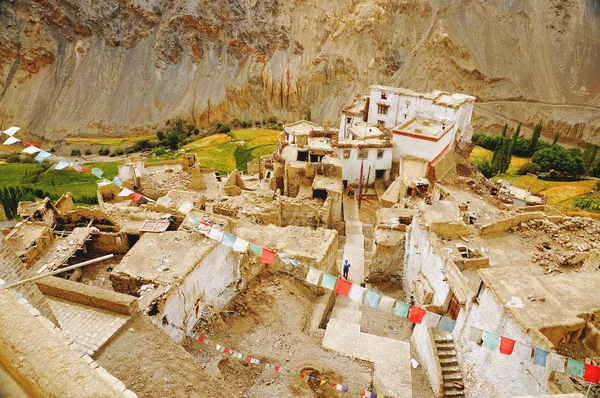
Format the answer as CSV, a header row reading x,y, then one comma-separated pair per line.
x,y
119,151
272,119
521,147
559,159
103,151
88,151
485,168
528,168
13,158
160,151
223,129
160,135
52,150
598,185
595,172
478,138
75,152
112,155
172,141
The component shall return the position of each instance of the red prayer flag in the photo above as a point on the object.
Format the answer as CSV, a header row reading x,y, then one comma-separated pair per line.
x,y
302,375
267,256
592,373
506,345
343,287
85,170
248,359
276,368
226,350
362,393
416,314
201,339
137,196
333,384
28,144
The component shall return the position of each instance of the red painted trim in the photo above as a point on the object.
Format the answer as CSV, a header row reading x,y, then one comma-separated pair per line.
x,y
439,155
423,137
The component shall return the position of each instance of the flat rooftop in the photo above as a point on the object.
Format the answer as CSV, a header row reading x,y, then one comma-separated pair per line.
x,y
358,107
301,127
559,299
443,98
419,126
174,255
319,143
364,130
328,183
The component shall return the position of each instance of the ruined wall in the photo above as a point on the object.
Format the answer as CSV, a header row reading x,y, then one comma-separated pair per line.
x,y
490,373
12,270
505,225
30,255
201,287
388,254
299,213
109,243
423,340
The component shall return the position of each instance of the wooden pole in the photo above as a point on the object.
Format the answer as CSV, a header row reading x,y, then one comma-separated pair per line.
x,y
58,271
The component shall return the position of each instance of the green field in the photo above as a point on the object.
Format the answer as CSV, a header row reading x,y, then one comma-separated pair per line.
x,y
560,194
224,152
112,141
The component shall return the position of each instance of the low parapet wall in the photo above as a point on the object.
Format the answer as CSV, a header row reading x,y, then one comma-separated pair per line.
x,y
88,295
505,225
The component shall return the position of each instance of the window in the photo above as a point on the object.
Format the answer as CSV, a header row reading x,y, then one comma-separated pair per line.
x,y
381,122
480,292
302,156
347,154
380,153
348,120
382,110
363,153
383,95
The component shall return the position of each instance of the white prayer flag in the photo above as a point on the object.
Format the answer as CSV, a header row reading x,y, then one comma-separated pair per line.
x,y
356,293
215,234
163,201
240,245
43,155
31,150
556,362
126,192
186,208
284,257
522,351
61,165
103,182
11,130
386,303
431,319
313,276
11,140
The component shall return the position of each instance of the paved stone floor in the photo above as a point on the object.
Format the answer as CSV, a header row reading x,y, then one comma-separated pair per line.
x,y
88,327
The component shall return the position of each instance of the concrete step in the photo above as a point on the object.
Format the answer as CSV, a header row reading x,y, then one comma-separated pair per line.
x,y
444,346
452,376
454,393
448,361
453,386
442,340
447,354
355,240
448,369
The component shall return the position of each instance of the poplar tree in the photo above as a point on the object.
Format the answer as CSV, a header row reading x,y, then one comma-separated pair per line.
x,y
537,132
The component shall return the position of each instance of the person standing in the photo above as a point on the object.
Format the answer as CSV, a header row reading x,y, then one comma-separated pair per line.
x,y
350,191
346,269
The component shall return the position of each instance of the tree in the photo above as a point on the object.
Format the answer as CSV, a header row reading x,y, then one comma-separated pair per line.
x,y
528,168
172,141
10,198
496,157
160,135
504,130
556,138
559,159
589,156
485,168
309,115
537,132
595,172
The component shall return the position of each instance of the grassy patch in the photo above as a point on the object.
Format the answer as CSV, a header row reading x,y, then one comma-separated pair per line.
x,y
480,154
11,148
112,141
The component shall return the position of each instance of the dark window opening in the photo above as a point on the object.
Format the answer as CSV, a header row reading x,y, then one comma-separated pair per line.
x,y
379,173
302,156
320,194
165,321
382,110
409,192
132,239
348,120
383,95
380,153
218,175
316,158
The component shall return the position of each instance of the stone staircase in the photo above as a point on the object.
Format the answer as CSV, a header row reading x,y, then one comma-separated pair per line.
x,y
453,382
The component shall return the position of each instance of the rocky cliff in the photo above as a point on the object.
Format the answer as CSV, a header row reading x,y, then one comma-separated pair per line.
x,y
84,67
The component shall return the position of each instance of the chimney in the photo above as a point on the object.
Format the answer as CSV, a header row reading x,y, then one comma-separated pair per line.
x,y
425,122
419,130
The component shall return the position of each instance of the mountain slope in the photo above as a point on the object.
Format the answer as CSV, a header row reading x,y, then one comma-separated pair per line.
x,y
84,68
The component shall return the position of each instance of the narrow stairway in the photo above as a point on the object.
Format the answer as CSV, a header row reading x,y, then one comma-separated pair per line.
x,y
453,382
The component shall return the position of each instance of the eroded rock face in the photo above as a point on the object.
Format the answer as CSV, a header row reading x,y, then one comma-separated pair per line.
x,y
82,67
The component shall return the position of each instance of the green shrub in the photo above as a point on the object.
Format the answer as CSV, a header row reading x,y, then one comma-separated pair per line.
x,y
75,152
598,185
223,129
160,135
88,151
528,168
119,151
52,150
272,119
160,151
485,168
112,155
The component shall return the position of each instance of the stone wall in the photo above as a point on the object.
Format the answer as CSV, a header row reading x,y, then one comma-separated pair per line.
x,y
301,214
88,295
505,225
424,342
12,270
109,243
388,254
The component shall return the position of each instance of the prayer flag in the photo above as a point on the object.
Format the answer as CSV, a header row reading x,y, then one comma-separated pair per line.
x,y
248,358
314,276
137,196
61,165
372,299
194,221
386,303
276,368
240,245
323,382
447,324
256,249
84,170
416,314
104,182
592,373
539,356
401,309
295,263
522,351
475,334
125,192
556,362
338,387
343,287
11,140
356,391
267,256
228,239
431,319
43,155
186,208
31,150
373,394
117,181
11,130
97,172
162,201
356,293
30,144
345,388
284,258
575,368
362,393
491,340
215,234
328,281
506,345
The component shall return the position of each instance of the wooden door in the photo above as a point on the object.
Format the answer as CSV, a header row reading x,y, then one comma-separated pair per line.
x,y
454,307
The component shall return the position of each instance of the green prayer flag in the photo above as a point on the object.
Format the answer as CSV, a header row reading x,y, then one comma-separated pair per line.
x,y
401,309
447,324
328,281
356,392
491,340
256,249
575,368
